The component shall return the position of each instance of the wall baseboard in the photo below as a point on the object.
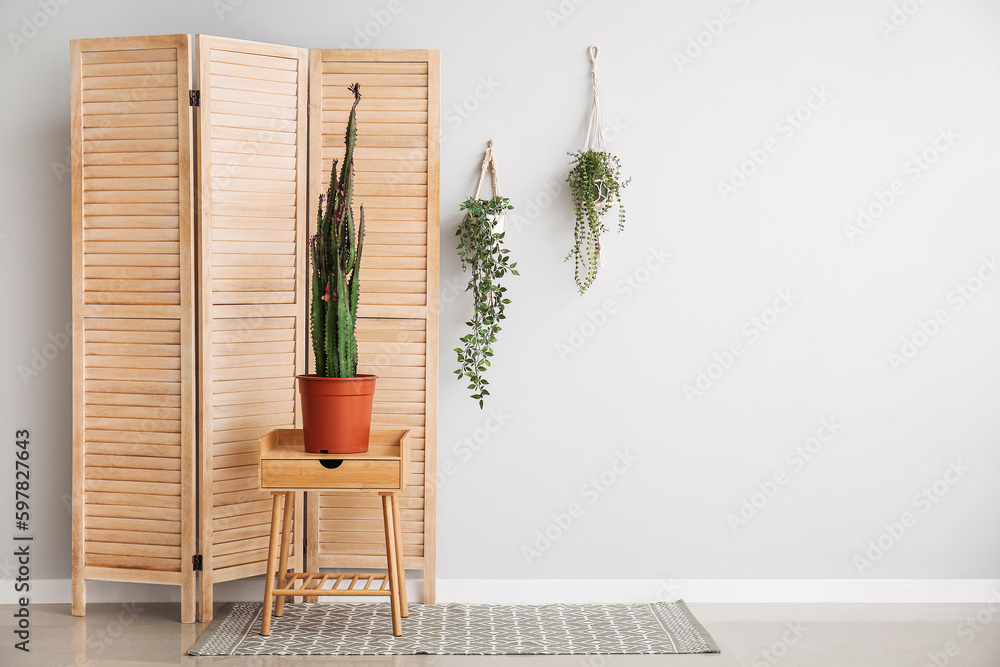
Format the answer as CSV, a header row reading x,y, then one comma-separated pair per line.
x,y
719,590
540,591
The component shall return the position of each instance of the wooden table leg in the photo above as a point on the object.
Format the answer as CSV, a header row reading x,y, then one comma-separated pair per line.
x,y
310,552
286,539
401,569
272,564
390,553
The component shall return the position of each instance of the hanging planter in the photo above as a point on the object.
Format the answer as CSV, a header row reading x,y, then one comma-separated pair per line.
x,y
336,401
595,185
481,249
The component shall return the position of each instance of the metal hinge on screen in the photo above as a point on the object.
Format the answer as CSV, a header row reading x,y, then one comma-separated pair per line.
x,y
194,98
196,563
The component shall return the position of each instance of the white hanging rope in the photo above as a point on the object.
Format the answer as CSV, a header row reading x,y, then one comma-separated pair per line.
x,y
490,161
595,130
595,137
499,223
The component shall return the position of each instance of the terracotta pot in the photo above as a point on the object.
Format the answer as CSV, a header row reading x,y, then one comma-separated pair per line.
x,y
336,413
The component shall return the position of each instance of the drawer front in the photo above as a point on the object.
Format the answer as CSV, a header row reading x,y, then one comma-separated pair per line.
x,y
311,474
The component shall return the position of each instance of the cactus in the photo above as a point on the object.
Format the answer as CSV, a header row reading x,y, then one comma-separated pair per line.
x,y
335,254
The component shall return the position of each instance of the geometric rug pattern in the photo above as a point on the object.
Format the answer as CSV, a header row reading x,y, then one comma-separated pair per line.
x,y
459,629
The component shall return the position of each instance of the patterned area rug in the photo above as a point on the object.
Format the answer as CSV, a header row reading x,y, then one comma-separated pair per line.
x,y
459,629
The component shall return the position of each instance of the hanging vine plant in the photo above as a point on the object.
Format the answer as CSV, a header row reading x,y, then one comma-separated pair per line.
x,y
595,185
482,252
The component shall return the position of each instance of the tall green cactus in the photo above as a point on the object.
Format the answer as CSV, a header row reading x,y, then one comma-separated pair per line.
x,y
335,253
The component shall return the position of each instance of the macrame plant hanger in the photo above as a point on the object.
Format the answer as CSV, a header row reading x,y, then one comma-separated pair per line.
x,y
595,141
500,222
595,130
490,161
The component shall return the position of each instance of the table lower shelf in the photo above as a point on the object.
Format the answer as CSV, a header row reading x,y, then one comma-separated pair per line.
x,y
319,579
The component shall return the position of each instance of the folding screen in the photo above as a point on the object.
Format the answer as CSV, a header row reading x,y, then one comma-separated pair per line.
x,y
187,340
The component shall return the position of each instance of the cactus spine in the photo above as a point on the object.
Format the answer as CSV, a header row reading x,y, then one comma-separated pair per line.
x,y
335,253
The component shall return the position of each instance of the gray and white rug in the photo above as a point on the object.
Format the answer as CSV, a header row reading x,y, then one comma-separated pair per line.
x,y
459,629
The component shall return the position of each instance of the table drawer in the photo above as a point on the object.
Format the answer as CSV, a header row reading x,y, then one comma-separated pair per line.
x,y
312,474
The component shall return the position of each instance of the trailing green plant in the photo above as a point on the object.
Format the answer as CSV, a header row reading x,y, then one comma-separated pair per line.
x,y
335,254
482,252
595,185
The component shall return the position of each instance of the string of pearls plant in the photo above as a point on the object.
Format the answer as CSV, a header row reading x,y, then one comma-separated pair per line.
x,y
595,185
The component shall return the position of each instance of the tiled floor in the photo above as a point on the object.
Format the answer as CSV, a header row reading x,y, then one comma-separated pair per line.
x,y
790,635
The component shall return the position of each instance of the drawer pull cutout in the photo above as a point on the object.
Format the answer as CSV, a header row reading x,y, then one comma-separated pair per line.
x,y
331,464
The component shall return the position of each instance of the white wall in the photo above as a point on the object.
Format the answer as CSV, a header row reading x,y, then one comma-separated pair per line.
x,y
566,417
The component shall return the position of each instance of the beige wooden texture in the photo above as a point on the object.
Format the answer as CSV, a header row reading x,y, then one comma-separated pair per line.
x,y
133,314
383,444
381,475
396,180
252,197
272,559
285,465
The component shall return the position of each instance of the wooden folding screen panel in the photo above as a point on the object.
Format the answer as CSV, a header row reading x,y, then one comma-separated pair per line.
x,y
252,196
396,180
133,315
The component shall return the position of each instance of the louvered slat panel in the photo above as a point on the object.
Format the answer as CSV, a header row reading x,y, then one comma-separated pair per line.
x,y
396,180
252,196
381,155
133,302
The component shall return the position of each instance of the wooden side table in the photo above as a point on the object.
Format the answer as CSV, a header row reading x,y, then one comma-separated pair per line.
x,y
285,468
